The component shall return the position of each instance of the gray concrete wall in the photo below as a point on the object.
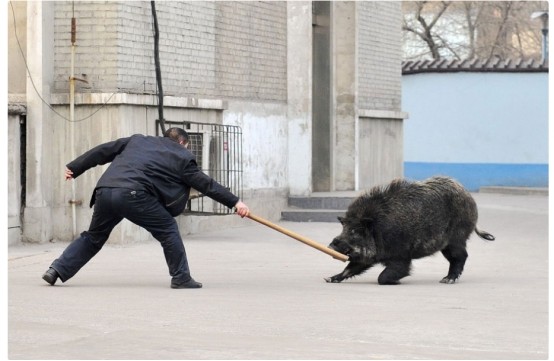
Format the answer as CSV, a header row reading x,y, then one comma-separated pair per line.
x,y
40,124
367,120
17,22
299,93
126,115
345,102
17,47
379,54
264,180
264,133
380,148
14,174
379,132
251,50
223,49
207,48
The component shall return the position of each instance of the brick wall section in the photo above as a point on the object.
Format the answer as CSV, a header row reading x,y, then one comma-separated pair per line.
x,y
207,49
96,44
135,47
379,55
252,49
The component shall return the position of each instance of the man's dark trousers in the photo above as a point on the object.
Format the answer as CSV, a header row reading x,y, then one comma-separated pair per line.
x,y
139,207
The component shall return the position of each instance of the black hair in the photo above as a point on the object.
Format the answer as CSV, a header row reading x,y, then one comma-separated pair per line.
x,y
177,134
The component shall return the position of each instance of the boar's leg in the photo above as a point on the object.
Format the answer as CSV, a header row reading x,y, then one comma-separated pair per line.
x,y
394,271
457,256
353,269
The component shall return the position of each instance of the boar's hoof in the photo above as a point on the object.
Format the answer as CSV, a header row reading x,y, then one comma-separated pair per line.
x,y
449,281
388,283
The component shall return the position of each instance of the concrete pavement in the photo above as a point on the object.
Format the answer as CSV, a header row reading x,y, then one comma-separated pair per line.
x,y
264,297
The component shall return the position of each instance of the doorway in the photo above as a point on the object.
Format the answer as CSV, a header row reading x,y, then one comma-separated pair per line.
x,y
321,96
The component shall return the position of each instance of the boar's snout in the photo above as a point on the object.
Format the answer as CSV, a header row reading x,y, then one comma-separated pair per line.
x,y
340,246
333,244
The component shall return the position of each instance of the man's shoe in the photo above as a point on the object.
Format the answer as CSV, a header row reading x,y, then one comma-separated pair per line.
x,y
50,276
189,284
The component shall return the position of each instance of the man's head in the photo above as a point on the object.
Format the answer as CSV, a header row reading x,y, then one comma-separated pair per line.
x,y
178,135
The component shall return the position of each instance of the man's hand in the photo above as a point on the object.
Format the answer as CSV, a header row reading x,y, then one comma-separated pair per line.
x,y
68,174
242,209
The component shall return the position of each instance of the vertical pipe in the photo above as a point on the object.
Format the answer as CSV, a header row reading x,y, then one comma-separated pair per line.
x,y
72,121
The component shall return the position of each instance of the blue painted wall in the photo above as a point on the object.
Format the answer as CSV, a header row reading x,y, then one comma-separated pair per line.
x,y
484,129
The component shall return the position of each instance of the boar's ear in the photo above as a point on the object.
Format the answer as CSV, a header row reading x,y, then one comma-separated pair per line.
x,y
341,220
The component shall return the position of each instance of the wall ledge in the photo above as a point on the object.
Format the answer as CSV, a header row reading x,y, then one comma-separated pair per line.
x,y
138,99
17,104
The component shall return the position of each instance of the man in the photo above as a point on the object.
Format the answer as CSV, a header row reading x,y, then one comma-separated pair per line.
x,y
148,182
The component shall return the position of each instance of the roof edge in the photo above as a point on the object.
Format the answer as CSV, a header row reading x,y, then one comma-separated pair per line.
x,y
494,65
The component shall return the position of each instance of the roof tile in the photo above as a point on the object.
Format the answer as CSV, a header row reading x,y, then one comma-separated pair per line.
x,y
474,65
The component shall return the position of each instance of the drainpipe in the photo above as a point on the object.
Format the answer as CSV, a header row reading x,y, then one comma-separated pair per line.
x,y
72,120
74,203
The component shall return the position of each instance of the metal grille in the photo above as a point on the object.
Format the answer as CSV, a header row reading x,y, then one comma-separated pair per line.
x,y
218,152
196,142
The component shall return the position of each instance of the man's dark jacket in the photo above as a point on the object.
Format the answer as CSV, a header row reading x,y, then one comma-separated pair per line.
x,y
157,165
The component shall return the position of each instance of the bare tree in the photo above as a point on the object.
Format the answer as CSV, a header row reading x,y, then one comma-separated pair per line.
x,y
473,11
472,29
423,28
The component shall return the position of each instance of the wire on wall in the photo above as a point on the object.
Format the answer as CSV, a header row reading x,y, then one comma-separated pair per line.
x,y
158,68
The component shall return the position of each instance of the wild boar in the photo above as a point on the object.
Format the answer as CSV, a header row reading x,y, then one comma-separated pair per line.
x,y
404,220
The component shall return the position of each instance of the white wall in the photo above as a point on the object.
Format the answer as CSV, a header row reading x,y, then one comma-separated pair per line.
x,y
476,117
264,138
491,127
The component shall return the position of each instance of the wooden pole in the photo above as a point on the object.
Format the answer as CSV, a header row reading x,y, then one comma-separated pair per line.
x,y
309,242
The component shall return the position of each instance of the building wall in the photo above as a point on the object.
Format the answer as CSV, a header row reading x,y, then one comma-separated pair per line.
x,y
344,96
17,41
379,82
225,64
41,167
15,119
251,50
379,128
482,128
233,63
381,149
299,97
264,128
207,48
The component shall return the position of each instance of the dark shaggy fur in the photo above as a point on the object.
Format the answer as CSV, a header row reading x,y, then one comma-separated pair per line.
x,y
407,220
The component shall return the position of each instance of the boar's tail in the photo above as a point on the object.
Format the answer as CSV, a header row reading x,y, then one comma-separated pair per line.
x,y
484,235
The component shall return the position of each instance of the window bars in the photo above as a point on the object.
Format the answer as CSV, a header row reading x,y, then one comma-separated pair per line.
x,y
218,152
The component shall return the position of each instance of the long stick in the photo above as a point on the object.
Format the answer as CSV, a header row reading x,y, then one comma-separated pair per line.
x,y
309,242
